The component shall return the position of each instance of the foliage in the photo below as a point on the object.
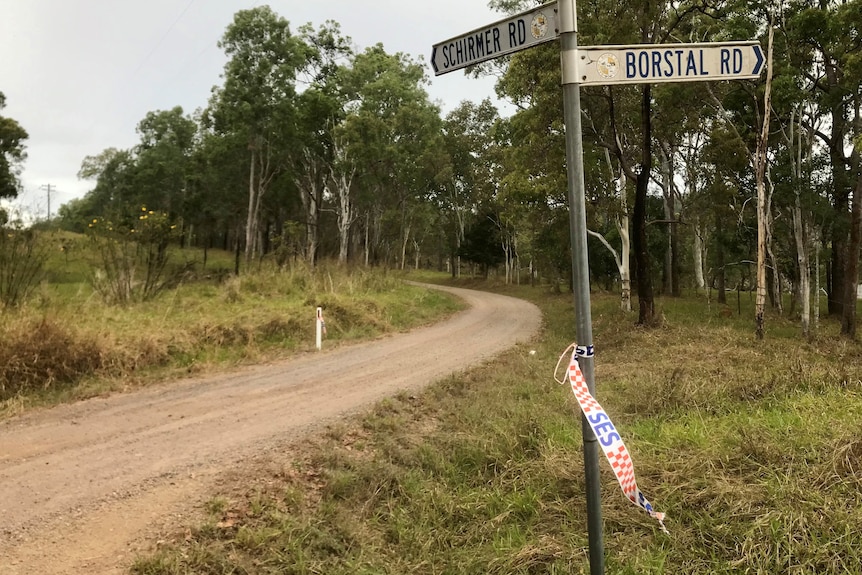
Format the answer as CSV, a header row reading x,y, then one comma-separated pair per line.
x,y
131,256
12,152
22,258
482,243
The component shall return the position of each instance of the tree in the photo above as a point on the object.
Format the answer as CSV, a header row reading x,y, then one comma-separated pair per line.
x,y
467,180
113,171
763,215
482,243
394,135
12,153
826,55
257,101
321,113
163,160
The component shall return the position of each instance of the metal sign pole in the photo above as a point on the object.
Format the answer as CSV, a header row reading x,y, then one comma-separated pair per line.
x,y
580,267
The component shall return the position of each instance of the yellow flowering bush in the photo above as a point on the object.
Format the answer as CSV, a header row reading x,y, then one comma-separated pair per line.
x,y
131,255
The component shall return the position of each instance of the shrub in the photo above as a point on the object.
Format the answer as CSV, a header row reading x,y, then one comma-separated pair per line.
x,y
131,256
39,355
22,260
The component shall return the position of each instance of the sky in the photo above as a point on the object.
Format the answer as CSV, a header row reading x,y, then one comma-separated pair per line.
x,y
79,75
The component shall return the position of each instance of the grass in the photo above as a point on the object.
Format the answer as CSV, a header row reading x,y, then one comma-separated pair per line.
x,y
753,449
65,344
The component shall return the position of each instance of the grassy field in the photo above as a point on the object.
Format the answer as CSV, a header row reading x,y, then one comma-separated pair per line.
x,y
65,343
753,449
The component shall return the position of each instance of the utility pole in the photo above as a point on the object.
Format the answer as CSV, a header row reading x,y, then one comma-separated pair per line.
x,y
49,188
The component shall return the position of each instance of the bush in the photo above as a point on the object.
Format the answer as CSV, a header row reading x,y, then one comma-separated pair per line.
x,y
131,257
22,260
38,355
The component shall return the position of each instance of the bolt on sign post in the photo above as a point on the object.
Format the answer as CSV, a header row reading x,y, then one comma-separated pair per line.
x,y
591,66
320,328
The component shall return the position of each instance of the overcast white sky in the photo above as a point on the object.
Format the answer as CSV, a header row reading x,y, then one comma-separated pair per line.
x,y
79,75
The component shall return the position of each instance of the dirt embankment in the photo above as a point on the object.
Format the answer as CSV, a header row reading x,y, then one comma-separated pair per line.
x,y
83,485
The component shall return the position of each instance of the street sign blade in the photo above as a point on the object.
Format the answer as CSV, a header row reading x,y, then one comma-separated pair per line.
x,y
653,63
512,34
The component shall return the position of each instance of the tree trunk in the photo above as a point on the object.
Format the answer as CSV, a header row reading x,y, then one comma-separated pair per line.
x,y
668,205
646,302
801,236
342,180
851,276
252,192
817,285
762,201
310,184
719,257
698,258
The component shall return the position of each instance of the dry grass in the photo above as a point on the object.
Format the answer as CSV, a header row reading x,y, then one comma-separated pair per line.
x,y
66,344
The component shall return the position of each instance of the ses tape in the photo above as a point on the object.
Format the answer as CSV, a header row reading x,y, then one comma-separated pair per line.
x,y
607,435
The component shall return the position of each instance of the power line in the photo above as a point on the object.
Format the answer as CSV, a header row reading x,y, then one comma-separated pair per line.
x,y
164,36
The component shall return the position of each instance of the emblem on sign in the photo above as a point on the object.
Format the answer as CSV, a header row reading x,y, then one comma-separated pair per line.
x,y
539,26
607,65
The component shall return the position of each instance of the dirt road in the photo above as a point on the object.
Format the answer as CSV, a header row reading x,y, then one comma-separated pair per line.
x,y
82,484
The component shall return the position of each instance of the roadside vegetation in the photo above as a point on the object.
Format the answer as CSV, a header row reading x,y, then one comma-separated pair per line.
x,y
752,448
67,334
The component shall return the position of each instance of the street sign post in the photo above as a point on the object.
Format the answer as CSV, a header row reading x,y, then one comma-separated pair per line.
x,y
519,32
653,63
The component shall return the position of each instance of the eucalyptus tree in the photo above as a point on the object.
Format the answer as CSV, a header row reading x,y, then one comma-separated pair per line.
x,y
394,135
320,164
257,101
826,40
468,178
12,153
113,171
163,158
217,172
620,119
531,151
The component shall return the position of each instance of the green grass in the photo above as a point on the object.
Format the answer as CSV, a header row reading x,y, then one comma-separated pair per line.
x,y
753,449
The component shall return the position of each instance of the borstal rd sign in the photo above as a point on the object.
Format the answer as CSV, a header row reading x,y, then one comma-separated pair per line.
x,y
652,63
512,34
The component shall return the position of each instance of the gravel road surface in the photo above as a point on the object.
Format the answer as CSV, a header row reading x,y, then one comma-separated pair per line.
x,y
82,485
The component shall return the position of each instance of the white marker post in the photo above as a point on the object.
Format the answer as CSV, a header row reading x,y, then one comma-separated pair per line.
x,y
321,328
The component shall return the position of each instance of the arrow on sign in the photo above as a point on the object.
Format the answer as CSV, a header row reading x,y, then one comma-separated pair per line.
x,y
652,63
758,66
530,28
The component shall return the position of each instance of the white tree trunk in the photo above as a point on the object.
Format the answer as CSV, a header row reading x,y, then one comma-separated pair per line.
x,y
310,181
341,172
250,231
799,231
762,200
698,257
404,245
